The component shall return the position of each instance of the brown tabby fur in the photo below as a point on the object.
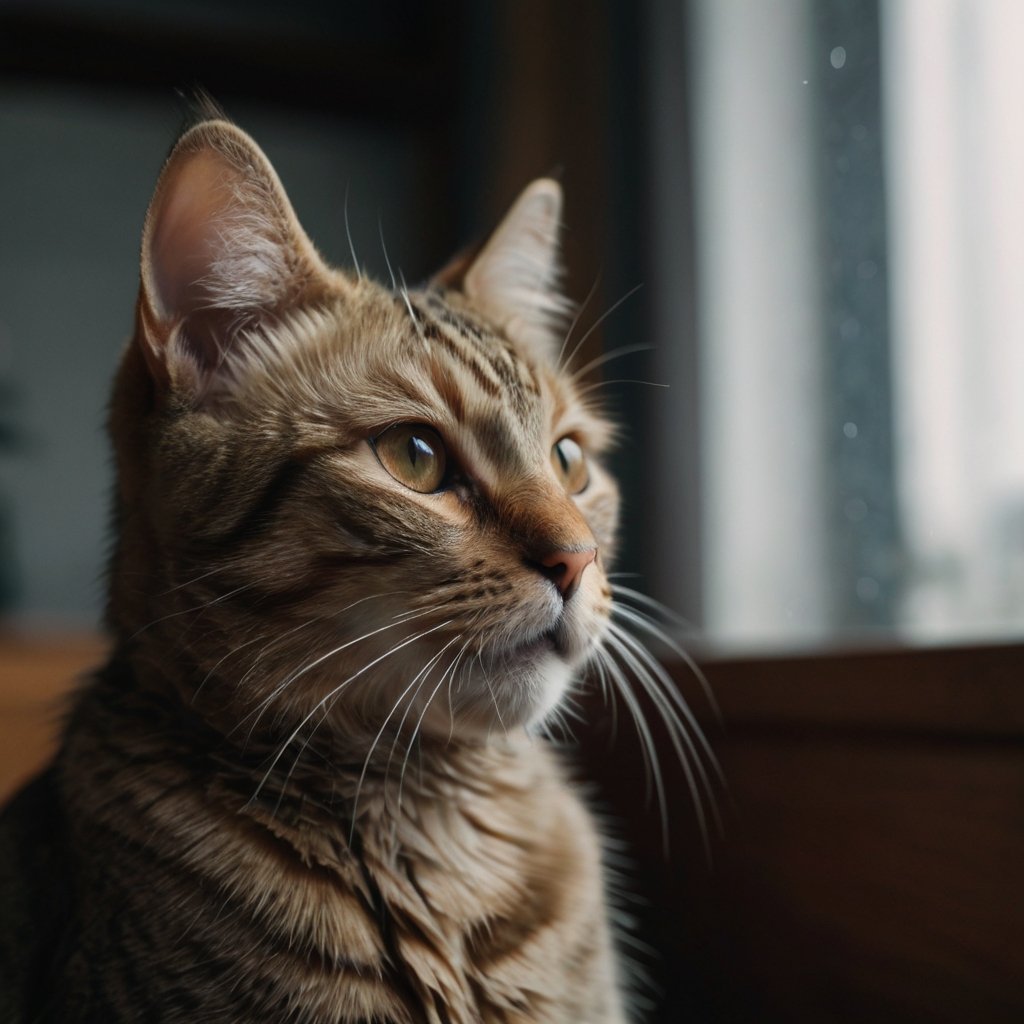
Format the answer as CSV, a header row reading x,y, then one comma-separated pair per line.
x,y
306,786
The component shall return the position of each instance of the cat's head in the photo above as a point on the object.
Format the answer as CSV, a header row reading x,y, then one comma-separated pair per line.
x,y
342,501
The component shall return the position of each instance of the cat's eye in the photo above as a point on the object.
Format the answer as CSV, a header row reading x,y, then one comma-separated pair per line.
x,y
413,454
570,465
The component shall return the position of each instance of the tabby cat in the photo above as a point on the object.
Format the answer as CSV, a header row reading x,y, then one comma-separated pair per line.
x,y
361,547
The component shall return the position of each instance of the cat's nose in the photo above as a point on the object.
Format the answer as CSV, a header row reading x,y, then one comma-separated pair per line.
x,y
565,568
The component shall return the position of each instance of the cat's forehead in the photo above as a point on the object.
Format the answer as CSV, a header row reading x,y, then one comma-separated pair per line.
x,y
441,356
380,357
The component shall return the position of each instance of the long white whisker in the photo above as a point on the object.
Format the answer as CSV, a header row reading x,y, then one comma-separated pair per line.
x,y
641,598
619,380
355,675
575,320
671,694
494,696
384,249
196,608
674,737
276,642
423,713
298,673
194,580
607,691
421,675
647,745
682,743
348,235
600,320
645,622
408,709
220,661
607,357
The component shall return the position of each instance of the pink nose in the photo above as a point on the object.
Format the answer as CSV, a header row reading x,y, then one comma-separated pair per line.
x,y
565,569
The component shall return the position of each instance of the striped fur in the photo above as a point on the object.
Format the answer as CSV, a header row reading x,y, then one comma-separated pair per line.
x,y
307,786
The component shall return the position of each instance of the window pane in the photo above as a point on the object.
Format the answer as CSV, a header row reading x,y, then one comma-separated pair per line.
x,y
859,204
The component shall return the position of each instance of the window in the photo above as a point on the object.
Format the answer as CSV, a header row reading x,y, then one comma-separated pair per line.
x,y
857,357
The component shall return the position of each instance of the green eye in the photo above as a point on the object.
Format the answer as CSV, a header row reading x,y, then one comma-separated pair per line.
x,y
413,454
570,465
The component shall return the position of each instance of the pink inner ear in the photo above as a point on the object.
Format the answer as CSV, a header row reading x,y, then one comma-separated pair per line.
x,y
183,243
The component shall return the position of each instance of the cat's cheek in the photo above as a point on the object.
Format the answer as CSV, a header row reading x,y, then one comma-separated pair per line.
x,y
599,503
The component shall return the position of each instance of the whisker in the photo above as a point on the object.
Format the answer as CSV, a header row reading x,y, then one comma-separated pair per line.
x,y
671,694
619,380
607,357
575,320
494,696
194,580
298,673
641,598
600,320
421,675
220,661
652,769
674,737
682,742
355,675
404,292
348,235
645,622
607,693
423,714
384,249
196,608
409,706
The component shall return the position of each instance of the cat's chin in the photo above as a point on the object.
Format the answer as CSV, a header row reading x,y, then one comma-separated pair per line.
x,y
530,684
518,684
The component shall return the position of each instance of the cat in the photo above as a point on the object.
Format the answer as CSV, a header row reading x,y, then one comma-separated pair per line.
x,y
361,547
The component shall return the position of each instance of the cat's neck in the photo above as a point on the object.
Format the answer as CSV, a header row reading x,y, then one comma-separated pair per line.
x,y
277,772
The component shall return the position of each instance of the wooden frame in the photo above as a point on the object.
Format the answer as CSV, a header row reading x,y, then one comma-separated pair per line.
x,y
874,835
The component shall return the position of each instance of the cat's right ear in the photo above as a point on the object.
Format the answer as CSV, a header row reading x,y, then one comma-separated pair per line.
x,y
514,278
222,254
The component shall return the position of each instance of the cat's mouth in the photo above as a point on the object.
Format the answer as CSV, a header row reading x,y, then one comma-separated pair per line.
x,y
551,641
548,641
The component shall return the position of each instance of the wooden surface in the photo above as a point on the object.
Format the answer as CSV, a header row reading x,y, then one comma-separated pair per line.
x,y
36,671
872,866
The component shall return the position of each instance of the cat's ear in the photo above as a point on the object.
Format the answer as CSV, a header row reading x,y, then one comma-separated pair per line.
x,y
222,253
514,279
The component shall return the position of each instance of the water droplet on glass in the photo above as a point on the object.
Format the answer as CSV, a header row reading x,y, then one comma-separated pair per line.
x,y
838,57
850,429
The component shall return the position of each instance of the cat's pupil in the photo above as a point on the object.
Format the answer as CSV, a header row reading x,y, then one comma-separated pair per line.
x,y
560,451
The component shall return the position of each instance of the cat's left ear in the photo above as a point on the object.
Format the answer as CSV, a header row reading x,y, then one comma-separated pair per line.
x,y
222,254
514,279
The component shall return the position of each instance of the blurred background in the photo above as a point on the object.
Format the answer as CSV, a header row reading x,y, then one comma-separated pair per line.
x,y
810,215
818,204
